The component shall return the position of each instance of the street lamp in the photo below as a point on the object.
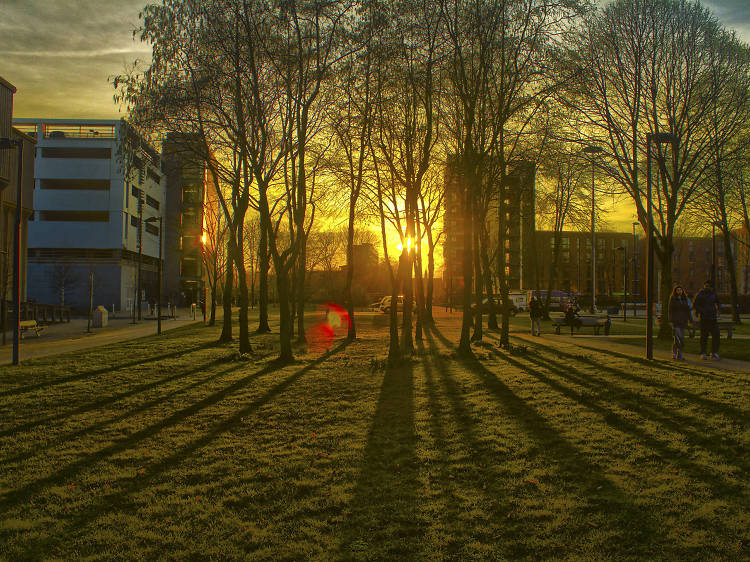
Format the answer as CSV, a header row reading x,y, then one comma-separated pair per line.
x,y
158,292
657,138
593,150
624,250
8,144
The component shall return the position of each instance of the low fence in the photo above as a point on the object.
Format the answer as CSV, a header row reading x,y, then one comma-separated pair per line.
x,y
42,313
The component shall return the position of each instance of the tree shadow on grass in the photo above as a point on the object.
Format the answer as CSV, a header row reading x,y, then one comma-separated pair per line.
x,y
486,480
385,521
722,488
630,529
68,437
97,404
711,405
24,493
649,363
100,371
107,503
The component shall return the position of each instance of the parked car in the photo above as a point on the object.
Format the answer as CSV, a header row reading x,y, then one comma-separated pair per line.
x,y
494,304
385,303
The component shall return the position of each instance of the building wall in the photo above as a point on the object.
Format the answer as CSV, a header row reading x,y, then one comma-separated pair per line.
x,y
88,182
574,263
6,113
188,184
519,193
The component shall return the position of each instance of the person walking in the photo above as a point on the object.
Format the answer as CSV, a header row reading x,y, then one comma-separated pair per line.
x,y
706,305
679,316
535,313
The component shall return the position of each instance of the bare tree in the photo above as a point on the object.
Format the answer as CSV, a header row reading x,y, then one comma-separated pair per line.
x,y
646,68
63,277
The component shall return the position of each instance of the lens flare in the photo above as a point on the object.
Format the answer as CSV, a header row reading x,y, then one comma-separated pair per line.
x,y
336,319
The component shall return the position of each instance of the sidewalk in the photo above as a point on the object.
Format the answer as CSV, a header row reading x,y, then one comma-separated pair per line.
x,y
72,336
603,344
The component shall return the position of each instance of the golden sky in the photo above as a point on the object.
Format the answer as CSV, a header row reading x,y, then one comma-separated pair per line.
x,y
60,54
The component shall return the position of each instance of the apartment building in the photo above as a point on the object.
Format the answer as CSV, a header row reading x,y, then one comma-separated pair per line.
x,y
189,193
519,193
96,183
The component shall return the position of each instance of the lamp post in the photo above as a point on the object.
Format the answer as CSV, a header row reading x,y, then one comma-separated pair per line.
x,y
658,138
158,292
7,144
636,277
592,150
624,250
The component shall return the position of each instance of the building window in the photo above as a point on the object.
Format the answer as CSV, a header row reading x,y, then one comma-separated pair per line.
x,y
74,216
125,234
151,202
89,185
151,229
154,176
135,192
134,220
74,152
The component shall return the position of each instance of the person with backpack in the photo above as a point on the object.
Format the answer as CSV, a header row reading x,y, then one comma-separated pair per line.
x,y
679,316
706,305
535,313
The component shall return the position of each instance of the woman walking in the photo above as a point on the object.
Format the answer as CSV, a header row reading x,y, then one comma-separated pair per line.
x,y
679,317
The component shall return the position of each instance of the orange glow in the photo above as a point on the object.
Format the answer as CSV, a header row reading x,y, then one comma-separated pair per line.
x,y
203,239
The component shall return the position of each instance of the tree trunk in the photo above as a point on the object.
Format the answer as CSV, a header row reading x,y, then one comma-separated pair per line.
x,y
464,344
552,272
285,318
478,287
352,332
301,281
226,329
418,329
407,341
239,261
732,268
212,317
665,257
263,327
394,348
428,319
487,276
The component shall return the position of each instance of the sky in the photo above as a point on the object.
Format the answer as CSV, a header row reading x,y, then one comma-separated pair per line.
x,y
61,55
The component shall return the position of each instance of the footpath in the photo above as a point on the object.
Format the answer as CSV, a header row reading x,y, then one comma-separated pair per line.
x,y
603,344
72,336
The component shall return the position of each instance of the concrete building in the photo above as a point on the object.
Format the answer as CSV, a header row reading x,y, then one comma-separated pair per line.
x,y
190,194
96,183
573,273
519,192
9,191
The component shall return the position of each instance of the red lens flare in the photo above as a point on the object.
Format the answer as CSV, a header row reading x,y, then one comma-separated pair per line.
x,y
335,319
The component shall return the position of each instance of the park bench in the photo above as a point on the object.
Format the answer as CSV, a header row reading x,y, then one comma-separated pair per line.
x,y
594,321
727,325
30,326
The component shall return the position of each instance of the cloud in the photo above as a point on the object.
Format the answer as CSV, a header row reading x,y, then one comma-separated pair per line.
x,y
61,53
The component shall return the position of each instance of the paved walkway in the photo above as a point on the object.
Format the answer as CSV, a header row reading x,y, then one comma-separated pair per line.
x,y
72,336
637,352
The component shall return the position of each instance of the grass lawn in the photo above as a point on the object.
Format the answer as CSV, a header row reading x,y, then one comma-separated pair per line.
x,y
175,448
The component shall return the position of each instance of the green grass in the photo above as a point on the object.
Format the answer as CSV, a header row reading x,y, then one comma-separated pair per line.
x,y
175,448
729,349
